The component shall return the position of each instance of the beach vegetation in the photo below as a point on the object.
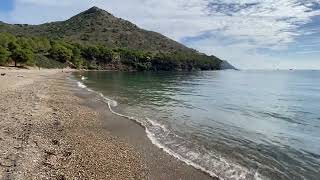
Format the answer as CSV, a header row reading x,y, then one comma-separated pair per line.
x,y
4,55
60,53
22,56
40,51
45,62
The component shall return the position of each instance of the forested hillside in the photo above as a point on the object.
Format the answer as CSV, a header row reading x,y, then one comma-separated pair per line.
x,y
95,39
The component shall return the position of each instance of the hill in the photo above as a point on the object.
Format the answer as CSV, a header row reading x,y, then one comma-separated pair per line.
x,y
227,65
100,27
96,27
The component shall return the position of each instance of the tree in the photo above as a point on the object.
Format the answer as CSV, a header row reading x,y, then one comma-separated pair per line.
x,y
42,45
76,57
22,56
105,55
60,53
5,39
4,55
91,53
12,46
26,43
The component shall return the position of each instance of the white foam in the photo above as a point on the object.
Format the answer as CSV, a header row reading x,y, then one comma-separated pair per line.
x,y
156,124
153,138
81,85
83,78
257,176
154,141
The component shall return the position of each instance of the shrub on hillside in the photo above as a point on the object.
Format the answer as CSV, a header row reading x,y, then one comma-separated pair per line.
x,y
4,56
44,62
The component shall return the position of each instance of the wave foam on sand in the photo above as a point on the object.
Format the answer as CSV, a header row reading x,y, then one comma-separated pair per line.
x,y
155,131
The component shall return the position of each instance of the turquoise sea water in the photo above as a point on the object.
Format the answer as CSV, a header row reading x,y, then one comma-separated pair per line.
x,y
231,124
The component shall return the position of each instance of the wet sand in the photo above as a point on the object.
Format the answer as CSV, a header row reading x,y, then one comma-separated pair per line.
x,y
160,164
51,129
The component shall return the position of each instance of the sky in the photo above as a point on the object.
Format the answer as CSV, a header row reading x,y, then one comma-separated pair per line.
x,y
250,34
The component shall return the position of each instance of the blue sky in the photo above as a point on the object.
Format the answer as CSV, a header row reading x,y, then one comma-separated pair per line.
x,y
6,5
251,34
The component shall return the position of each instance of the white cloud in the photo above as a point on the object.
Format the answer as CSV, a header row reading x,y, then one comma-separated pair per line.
x,y
308,52
249,24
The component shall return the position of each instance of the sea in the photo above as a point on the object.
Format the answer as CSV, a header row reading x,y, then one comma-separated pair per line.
x,y
235,125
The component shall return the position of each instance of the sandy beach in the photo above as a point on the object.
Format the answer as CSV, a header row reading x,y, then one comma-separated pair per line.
x,y
51,129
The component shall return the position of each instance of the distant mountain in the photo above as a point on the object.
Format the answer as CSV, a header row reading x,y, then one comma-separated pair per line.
x,y
226,65
98,27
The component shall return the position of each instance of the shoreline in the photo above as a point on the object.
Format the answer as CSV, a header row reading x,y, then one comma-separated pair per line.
x,y
50,128
134,134
108,107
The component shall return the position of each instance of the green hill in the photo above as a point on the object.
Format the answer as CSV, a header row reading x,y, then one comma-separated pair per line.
x,y
130,47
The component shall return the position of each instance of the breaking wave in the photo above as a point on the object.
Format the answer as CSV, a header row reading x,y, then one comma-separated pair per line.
x,y
81,85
